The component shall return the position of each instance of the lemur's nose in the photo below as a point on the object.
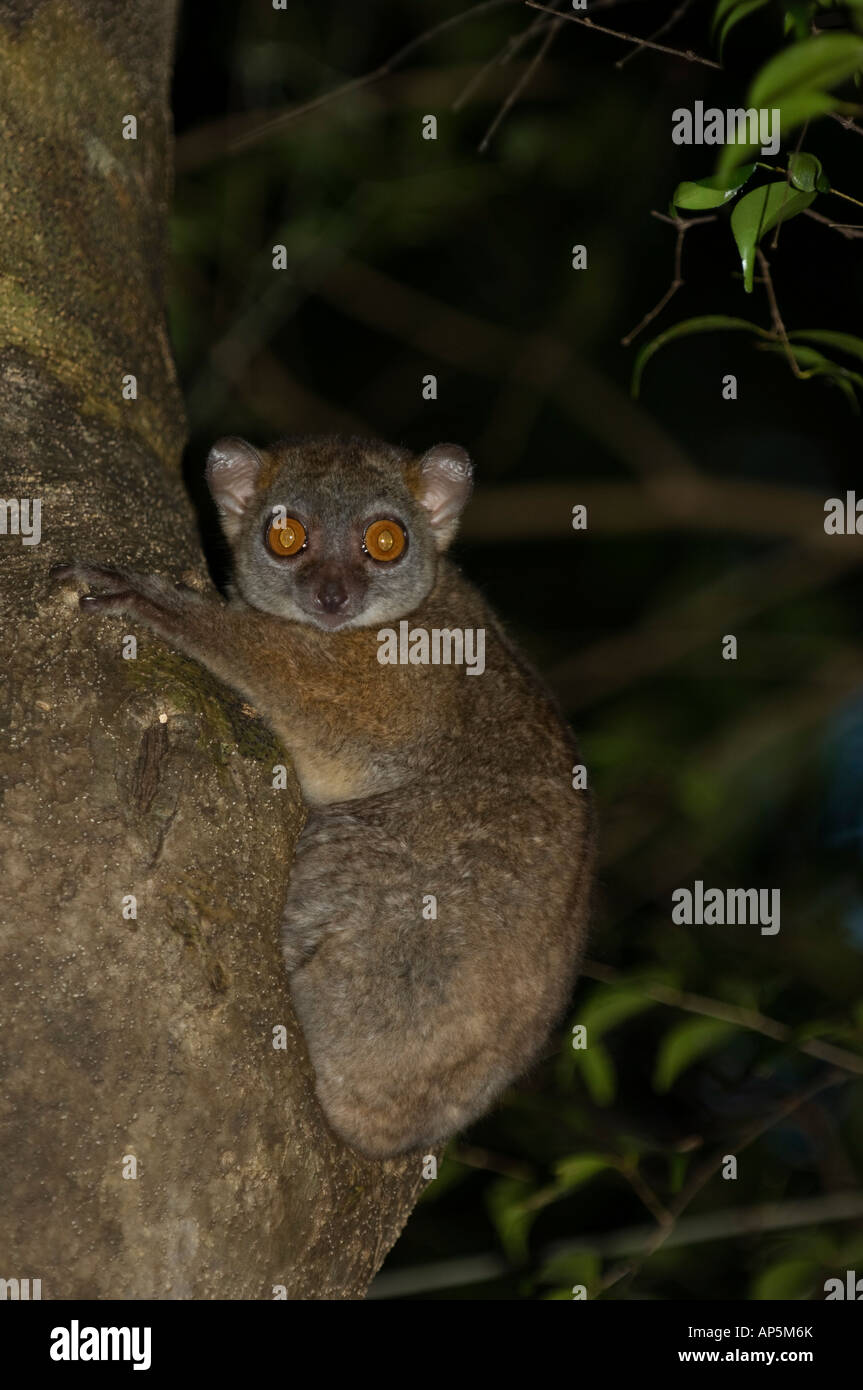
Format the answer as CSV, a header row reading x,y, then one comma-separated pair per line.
x,y
332,596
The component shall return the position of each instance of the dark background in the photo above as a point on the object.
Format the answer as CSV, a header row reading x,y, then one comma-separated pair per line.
x,y
408,257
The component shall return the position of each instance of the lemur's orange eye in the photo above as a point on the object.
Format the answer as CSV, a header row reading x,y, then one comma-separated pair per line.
x,y
286,537
384,540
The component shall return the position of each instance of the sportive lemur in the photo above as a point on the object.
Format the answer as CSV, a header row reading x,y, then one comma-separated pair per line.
x,y
439,894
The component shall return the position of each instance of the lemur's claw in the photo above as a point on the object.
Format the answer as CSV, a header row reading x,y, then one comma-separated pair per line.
x,y
91,603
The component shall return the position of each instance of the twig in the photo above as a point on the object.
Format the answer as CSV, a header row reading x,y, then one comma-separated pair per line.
x,y
690,1230
630,38
719,1225
643,652
512,46
657,33
846,229
800,138
660,1213
828,192
628,1171
705,1171
548,366
365,80
846,122
473,1157
732,1013
682,226
520,85
847,197
775,315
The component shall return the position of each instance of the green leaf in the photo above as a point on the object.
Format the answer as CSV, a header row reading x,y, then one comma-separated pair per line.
x,y
725,9
815,64
792,113
790,1279
806,105
608,1006
797,82
705,323
806,173
568,1268
722,10
843,342
511,1216
599,1075
739,11
712,191
513,1207
798,16
825,366
580,1168
814,363
677,1168
684,1044
755,215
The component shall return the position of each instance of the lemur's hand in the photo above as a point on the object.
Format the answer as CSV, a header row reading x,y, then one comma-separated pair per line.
x,y
153,600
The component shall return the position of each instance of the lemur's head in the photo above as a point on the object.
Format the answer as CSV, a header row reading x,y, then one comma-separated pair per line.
x,y
337,531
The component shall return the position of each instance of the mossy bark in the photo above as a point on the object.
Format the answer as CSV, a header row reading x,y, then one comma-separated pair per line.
x,y
148,1036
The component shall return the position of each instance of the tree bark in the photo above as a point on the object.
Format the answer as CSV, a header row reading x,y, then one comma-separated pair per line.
x,y
147,1037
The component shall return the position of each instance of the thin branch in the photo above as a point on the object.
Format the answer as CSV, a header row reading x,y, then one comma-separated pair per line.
x,y
544,1196
851,230
711,1166
682,226
630,38
643,652
689,1230
513,46
720,1225
520,85
785,721
657,33
846,122
834,192
828,192
798,147
731,1013
505,55
473,1157
660,1213
270,127
775,315
547,365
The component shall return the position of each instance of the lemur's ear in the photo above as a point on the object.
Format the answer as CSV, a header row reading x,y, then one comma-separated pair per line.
x,y
233,466
446,482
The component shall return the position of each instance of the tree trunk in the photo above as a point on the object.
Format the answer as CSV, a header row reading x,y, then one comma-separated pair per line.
x,y
124,1037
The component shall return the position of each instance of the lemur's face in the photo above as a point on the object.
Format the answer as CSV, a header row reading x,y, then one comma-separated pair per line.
x,y
337,532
